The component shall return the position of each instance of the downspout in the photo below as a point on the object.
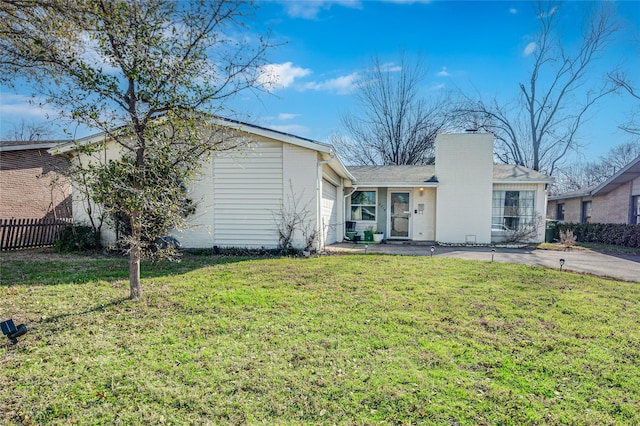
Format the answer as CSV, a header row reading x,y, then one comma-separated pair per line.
x,y
320,240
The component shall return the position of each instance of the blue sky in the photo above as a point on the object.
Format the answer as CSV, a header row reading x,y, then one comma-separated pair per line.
x,y
477,47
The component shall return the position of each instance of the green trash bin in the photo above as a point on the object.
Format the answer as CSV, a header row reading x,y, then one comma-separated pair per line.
x,y
550,231
549,235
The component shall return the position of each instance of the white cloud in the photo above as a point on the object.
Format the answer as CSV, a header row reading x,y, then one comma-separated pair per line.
x,y
294,129
390,67
408,1
24,107
443,72
437,87
341,85
309,9
280,76
513,11
283,116
90,53
529,49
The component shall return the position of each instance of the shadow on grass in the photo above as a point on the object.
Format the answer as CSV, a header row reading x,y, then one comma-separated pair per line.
x,y
50,268
52,321
97,308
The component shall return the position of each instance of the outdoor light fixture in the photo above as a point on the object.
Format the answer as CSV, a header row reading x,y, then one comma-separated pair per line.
x,y
493,251
433,248
561,263
10,330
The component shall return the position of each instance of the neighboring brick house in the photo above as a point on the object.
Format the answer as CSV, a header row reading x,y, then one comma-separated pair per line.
x,y
616,200
31,185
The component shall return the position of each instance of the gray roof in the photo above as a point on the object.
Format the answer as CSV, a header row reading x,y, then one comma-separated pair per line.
x,y
628,173
386,175
24,145
425,175
511,172
585,192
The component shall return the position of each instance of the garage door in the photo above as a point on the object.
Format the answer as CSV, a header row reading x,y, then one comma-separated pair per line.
x,y
329,212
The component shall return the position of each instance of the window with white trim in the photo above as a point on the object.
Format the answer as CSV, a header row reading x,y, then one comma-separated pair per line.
x,y
363,205
560,211
635,212
513,210
585,215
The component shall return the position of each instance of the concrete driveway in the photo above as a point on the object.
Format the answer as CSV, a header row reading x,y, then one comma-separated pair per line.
x,y
618,266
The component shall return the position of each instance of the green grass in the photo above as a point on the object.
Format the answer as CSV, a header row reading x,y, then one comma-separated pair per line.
x,y
332,340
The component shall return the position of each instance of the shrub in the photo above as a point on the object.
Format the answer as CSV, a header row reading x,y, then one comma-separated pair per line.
x,y
567,239
602,233
245,252
77,238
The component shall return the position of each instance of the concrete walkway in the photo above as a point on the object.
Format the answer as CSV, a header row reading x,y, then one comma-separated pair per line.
x,y
619,266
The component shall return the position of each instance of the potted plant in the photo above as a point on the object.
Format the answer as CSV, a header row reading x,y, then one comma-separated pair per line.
x,y
378,236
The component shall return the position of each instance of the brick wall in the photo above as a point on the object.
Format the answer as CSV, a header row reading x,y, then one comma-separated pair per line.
x,y
573,209
26,189
612,207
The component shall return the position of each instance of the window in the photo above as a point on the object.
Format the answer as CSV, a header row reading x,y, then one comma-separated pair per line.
x,y
635,212
586,212
560,211
512,210
363,205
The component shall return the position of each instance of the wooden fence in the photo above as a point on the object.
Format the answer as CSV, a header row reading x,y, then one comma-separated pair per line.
x,y
28,233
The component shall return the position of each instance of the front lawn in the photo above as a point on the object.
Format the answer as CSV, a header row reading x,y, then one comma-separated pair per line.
x,y
362,339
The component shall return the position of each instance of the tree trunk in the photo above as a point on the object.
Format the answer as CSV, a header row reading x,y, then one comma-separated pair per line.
x,y
135,287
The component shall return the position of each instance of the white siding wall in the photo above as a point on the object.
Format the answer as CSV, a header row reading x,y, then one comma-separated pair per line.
x,y
424,224
300,172
464,168
199,233
248,190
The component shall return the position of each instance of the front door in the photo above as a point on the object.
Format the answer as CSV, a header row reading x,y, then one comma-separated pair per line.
x,y
400,214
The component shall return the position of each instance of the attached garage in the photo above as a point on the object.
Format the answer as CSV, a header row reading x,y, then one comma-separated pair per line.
x,y
239,193
329,212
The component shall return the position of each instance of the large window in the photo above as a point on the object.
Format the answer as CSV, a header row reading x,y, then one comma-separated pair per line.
x,y
560,211
363,205
513,210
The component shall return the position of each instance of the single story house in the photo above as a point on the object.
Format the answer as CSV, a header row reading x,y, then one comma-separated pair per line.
x,y
240,195
616,200
33,184
463,198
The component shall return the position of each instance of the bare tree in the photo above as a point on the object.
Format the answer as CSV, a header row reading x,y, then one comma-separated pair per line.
x,y
592,173
149,75
541,127
29,131
621,79
394,124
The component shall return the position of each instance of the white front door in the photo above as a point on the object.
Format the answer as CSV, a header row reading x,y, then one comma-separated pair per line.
x,y
399,214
